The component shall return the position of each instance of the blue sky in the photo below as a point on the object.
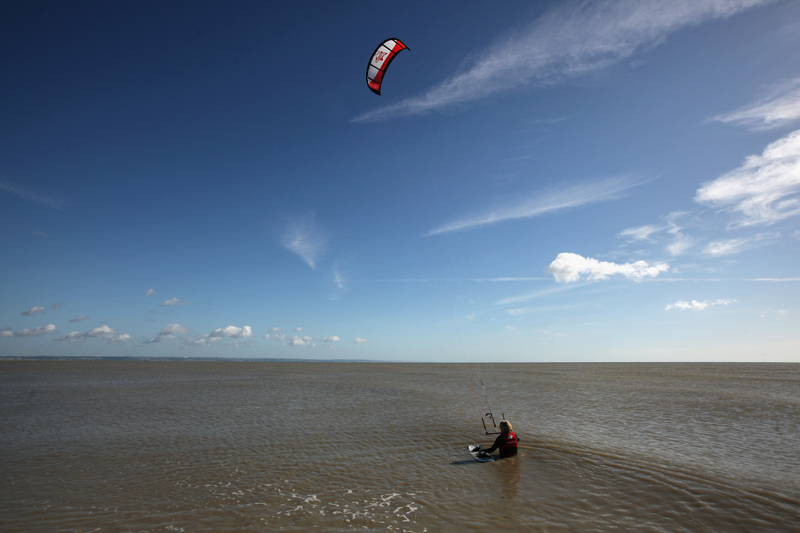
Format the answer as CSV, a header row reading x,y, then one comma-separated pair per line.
x,y
539,181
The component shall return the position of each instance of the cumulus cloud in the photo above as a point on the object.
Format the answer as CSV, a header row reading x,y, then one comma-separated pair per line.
x,y
79,319
74,336
570,267
359,340
202,340
694,305
32,311
544,203
298,341
232,332
171,331
764,189
102,332
330,339
304,238
173,302
780,107
42,330
570,40
107,333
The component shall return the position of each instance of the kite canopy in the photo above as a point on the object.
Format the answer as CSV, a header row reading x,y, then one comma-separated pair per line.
x,y
379,62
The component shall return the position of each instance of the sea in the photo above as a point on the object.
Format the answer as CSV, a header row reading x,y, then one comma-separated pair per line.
x,y
225,446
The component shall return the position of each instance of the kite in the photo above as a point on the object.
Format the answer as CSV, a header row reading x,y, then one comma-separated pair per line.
x,y
379,62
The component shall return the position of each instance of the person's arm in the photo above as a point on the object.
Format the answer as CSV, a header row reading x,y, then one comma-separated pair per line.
x,y
497,442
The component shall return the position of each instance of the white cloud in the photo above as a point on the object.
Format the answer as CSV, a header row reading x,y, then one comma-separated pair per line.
x,y
51,201
149,293
297,341
330,339
79,319
694,305
233,332
734,246
275,330
202,340
764,189
42,330
59,305
74,336
171,331
779,108
544,203
32,311
173,302
570,267
518,311
568,41
298,329
359,340
102,332
302,237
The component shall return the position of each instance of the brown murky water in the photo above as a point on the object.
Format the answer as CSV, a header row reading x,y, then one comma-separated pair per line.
x,y
230,446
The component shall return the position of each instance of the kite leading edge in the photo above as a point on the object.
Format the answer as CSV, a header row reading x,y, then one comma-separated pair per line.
x,y
379,62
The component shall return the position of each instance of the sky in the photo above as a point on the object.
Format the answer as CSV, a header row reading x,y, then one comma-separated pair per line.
x,y
611,180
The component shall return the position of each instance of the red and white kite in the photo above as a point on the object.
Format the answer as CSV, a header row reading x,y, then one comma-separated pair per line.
x,y
379,62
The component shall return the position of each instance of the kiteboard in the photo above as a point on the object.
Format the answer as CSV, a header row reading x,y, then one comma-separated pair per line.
x,y
479,455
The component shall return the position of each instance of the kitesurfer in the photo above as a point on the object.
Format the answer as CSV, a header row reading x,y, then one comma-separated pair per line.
x,y
506,442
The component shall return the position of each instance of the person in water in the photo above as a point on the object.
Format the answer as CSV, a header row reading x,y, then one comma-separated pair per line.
x,y
506,442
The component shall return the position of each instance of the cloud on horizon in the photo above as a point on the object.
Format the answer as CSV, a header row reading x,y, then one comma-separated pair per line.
x,y
102,332
694,305
170,332
42,330
566,42
232,332
545,202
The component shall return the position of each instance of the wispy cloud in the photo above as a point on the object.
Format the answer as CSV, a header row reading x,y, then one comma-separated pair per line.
x,y
32,311
359,340
569,267
764,189
780,107
79,319
545,202
694,305
33,196
533,295
303,237
149,293
735,246
570,40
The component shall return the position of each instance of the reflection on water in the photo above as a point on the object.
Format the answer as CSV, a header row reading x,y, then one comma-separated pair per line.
x,y
192,446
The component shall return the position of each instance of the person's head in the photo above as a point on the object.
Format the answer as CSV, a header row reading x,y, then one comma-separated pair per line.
x,y
505,426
